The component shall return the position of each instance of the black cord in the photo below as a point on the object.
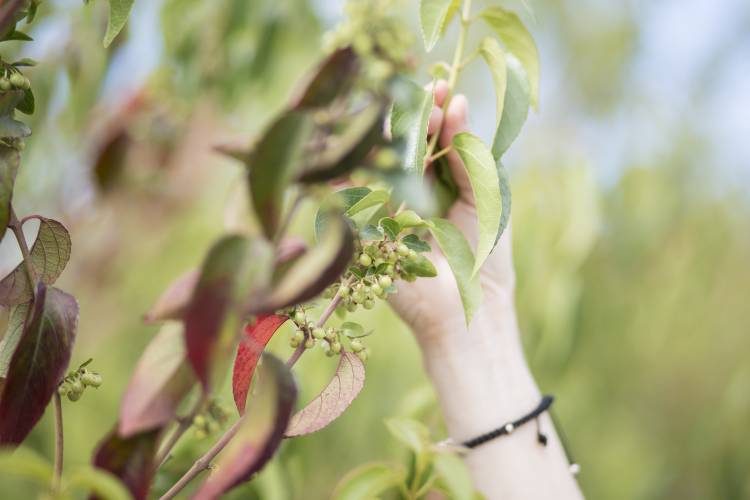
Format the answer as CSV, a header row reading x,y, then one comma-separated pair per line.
x,y
543,406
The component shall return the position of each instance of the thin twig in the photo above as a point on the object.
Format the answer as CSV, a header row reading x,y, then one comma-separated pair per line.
x,y
183,425
17,227
440,154
203,462
58,443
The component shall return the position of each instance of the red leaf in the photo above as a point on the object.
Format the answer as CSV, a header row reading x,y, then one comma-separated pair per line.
x,y
233,271
129,459
248,353
346,384
175,299
260,432
38,363
333,77
160,381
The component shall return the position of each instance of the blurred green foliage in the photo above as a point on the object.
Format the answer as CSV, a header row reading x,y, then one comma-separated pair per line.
x,y
633,296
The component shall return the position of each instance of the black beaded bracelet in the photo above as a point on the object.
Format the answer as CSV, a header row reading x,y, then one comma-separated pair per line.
x,y
544,405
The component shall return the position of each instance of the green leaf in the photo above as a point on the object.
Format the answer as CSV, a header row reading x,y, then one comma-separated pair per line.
x,y
434,16
100,483
371,233
161,379
332,402
49,256
502,176
511,30
38,363
367,481
26,463
119,11
390,226
515,106
414,243
410,218
420,266
480,165
454,477
352,329
275,162
410,116
343,199
460,259
18,36
9,162
494,56
12,336
410,432
28,103
372,199
26,61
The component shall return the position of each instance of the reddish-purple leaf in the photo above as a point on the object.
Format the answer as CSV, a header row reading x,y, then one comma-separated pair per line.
x,y
314,271
260,432
38,363
175,299
129,459
160,381
233,272
49,255
333,77
333,401
251,346
290,249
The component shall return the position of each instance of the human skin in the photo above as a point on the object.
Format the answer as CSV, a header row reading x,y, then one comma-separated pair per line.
x,y
480,372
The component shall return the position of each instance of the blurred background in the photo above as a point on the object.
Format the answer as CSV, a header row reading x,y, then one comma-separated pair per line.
x,y
631,222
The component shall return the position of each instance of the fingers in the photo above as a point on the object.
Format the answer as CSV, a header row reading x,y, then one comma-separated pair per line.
x,y
457,121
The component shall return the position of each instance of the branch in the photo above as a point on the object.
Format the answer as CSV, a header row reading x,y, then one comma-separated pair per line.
x,y
58,443
183,425
455,70
321,321
203,462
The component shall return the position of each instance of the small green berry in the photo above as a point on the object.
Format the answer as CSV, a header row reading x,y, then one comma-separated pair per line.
x,y
318,333
299,318
376,289
336,347
74,396
390,270
344,291
365,260
325,345
369,304
309,343
385,281
91,379
351,307
363,355
63,389
294,343
5,84
26,84
298,336
356,345
403,250
392,257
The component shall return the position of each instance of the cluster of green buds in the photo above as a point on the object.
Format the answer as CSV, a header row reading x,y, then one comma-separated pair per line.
x,y
13,79
76,381
212,419
331,340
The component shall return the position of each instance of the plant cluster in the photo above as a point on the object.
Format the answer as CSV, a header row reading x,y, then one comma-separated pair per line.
x,y
369,236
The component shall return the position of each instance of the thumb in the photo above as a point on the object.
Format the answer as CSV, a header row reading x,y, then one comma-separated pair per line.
x,y
456,120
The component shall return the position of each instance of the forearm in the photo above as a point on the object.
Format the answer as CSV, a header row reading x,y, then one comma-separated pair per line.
x,y
483,381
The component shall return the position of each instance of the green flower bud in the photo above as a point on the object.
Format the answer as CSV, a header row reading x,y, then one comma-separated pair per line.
x,y
63,389
325,345
298,336
412,254
91,379
376,289
199,421
358,297
385,281
331,334
390,270
17,80
356,345
309,343
26,84
5,84
74,395
294,343
351,307
299,317
344,291
318,333
365,260
363,355
336,347
392,257
402,250
369,304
